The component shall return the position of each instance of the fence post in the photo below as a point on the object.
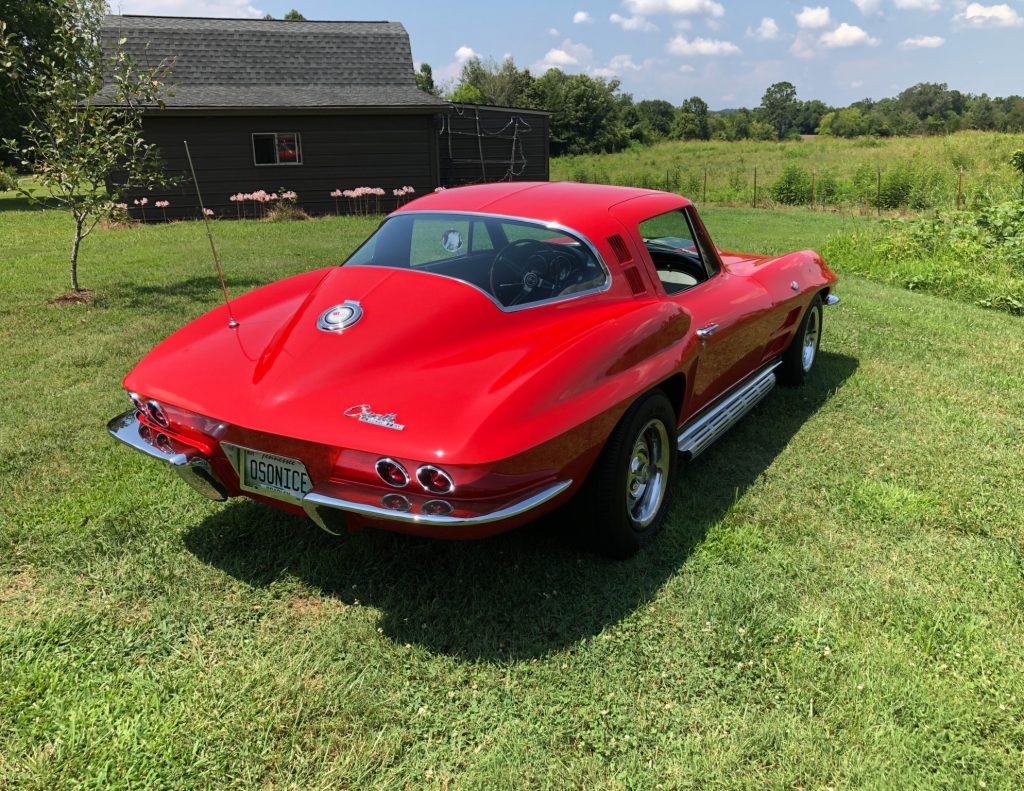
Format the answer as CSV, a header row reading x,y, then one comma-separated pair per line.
x,y
705,185
754,204
959,189
878,194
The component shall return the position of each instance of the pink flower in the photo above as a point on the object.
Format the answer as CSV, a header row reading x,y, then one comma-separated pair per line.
x,y
121,206
144,201
336,194
439,189
289,195
162,204
135,202
208,212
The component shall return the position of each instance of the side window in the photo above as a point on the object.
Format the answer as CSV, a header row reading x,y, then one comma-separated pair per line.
x,y
479,238
707,249
677,252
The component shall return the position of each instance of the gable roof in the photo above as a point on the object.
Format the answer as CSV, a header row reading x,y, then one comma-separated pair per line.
x,y
256,63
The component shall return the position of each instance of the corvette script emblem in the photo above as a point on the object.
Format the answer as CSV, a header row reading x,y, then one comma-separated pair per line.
x,y
366,415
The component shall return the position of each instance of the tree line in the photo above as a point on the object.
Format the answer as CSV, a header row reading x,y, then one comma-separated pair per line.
x,y
592,114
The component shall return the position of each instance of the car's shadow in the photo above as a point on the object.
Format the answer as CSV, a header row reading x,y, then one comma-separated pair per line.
x,y
522,594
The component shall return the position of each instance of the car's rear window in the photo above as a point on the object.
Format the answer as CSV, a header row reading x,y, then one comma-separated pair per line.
x,y
516,262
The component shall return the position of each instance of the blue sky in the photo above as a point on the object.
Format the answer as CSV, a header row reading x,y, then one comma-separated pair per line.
x,y
726,51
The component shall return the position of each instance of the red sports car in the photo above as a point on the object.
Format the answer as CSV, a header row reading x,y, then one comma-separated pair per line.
x,y
488,354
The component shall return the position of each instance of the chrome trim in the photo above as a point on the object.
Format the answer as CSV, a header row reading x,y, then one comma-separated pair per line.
x,y
445,506
191,466
352,305
314,502
155,411
403,505
607,284
697,435
432,468
831,299
388,460
707,331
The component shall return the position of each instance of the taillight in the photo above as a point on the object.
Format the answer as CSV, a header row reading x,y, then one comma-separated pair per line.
x,y
156,412
434,479
392,473
137,402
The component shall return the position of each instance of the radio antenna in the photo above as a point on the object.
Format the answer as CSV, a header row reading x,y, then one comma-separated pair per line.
x,y
232,322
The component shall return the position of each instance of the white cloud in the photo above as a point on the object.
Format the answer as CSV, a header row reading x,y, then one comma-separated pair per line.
x,y
766,31
978,15
213,8
464,53
686,68
620,63
917,5
582,18
553,31
803,46
652,7
868,7
633,23
680,45
814,17
847,36
927,42
682,24
568,54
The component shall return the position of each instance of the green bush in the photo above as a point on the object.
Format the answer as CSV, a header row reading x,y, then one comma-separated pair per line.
x,y
793,186
8,179
827,191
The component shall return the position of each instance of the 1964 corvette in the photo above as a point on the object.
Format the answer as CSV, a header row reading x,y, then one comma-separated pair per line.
x,y
488,354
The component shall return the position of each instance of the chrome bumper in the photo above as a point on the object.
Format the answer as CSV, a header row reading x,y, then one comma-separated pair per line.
x,y
319,506
193,468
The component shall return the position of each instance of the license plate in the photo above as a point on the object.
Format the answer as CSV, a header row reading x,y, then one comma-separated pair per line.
x,y
275,476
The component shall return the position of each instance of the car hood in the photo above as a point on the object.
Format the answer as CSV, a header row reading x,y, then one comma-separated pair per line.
x,y
434,352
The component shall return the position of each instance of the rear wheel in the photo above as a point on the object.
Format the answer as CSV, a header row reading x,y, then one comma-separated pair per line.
x,y
799,358
623,503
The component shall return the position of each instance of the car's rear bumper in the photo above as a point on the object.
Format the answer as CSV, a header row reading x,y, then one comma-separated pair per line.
x,y
328,504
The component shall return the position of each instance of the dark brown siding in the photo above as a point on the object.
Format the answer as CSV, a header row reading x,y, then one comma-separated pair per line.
x,y
480,144
338,152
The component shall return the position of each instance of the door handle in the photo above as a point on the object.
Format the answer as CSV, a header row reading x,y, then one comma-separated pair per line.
x,y
707,331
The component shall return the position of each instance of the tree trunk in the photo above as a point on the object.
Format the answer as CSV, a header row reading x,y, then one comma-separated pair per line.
x,y
74,255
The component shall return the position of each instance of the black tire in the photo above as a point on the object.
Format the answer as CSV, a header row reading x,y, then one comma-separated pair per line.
x,y
606,515
795,365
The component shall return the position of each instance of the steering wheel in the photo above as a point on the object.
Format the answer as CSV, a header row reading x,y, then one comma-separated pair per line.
x,y
528,270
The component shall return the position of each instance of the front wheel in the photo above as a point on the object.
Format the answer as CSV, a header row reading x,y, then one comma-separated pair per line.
x,y
799,358
622,505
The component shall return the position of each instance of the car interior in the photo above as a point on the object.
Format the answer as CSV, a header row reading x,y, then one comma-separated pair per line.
x,y
670,241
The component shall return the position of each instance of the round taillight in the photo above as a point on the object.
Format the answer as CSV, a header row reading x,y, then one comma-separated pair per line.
x,y
436,508
392,473
137,402
163,442
434,479
156,412
396,502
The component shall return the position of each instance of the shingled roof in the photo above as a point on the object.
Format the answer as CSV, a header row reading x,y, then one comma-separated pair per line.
x,y
256,63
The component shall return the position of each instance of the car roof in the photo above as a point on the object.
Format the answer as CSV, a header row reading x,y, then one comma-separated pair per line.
x,y
565,202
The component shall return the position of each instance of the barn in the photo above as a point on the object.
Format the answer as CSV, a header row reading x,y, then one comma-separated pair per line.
x,y
314,108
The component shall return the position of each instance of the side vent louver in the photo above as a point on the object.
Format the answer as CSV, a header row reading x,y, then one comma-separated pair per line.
x,y
636,282
619,248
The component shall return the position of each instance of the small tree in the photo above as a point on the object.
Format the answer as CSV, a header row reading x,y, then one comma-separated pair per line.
x,y
84,137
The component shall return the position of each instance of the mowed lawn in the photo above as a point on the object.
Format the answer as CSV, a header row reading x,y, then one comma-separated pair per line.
x,y
836,600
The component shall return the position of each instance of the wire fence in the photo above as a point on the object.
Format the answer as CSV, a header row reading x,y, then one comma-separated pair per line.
x,y
899,187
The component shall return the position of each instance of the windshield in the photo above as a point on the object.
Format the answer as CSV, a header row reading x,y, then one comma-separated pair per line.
x,y
516,262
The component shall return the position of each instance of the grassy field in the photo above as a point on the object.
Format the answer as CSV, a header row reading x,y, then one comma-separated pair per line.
x,y
836,601
917,172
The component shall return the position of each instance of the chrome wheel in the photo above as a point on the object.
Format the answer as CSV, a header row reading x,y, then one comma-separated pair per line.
x,y
647,475
811,335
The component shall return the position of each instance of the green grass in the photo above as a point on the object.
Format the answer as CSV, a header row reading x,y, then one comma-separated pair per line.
x,y
929,166
836,600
